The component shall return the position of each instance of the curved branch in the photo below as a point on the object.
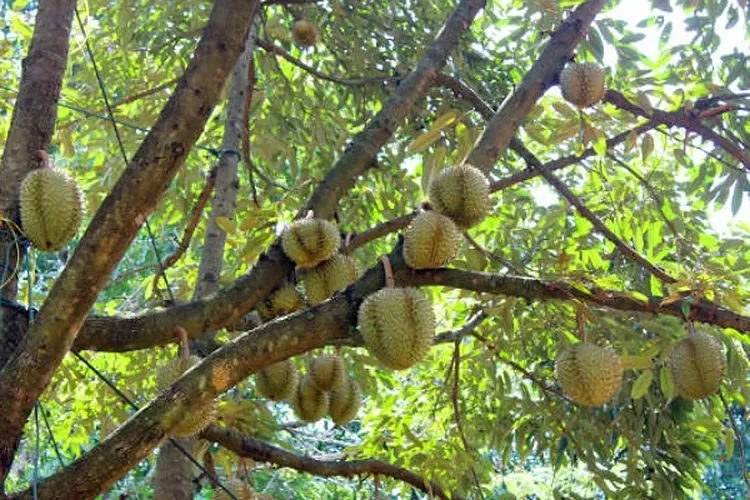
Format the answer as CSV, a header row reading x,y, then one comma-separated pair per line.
x,y
382,229
262,452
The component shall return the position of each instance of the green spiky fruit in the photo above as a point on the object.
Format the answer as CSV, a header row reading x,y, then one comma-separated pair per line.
x,y
590,375
305,33
309,402
583,84
327,372
239,488
329,277
51,208
398,325
461,193
345,402
431,241
278,381
196,419
308,242
283,301
698,365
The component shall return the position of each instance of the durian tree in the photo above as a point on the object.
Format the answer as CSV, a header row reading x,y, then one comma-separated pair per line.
x,y
299,249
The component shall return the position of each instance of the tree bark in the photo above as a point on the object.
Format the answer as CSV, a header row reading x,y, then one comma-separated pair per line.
x,y
28,371
31,128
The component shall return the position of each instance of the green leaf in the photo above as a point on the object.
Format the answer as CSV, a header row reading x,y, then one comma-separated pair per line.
x,y
666,382
647,146
641,384
226,224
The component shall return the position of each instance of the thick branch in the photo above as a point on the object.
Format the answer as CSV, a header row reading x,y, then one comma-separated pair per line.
x,y
503,126
119,218
263,452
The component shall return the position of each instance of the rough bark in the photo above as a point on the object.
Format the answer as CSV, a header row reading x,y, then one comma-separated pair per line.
x,y
259,451
31,129
28,371
497,136
173,479
327,323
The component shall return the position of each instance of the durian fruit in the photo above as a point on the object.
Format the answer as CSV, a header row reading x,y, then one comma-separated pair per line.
x,y
330,277
431,241
590,375
698,365
327,372
239,488
461,193
398,325
308,242
345,402
283,301
196,419
305,33
583,83
309,402
278,381
51,208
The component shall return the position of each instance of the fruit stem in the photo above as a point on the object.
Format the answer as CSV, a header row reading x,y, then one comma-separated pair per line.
x,y
310,214
389,281
182,335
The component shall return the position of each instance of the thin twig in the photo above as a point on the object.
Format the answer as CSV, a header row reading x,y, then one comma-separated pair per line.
x,y
740,443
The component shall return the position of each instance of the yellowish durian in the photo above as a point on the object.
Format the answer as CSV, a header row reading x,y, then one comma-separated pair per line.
x,y
196,419
345,402
327,372
305,33
698,365
431,241
278,381
281,302
398,326
461,193
51,208
329,277
309,402
583,83
308,242
590,375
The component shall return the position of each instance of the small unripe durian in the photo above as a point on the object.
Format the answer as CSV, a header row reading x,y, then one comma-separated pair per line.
x,y
305,33
345,402
278,381
461,193
590,375
327,372
309,402
431,241
239,488
698,365
196,419
582,83
329,277
283,301
308,242
398,325
51,208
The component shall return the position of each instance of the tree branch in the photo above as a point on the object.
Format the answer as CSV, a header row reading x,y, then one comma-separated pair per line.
x,y
503,126
118,219
262,452
382,229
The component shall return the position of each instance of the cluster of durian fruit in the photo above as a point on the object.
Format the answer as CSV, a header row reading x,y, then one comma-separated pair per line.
x,y
326,388
591,375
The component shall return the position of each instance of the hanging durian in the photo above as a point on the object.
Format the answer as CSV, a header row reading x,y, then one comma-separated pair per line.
x,y
197,419
278,381
308,242
461,193
281,302
431,241
590,375
329,277
345,402
327,372
309,402
698,365
305,33
583,83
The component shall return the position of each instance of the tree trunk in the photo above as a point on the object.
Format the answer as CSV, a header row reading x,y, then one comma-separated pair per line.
x,y
174,473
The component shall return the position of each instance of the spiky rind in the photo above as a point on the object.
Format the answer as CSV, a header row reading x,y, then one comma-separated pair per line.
x,y
398,326
431,241
196,419
583,83
329,277
698,365
590,375
51,208
461,193
308,242
283,301
345,402
305,33
327,372
278,381
239,488
309,402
